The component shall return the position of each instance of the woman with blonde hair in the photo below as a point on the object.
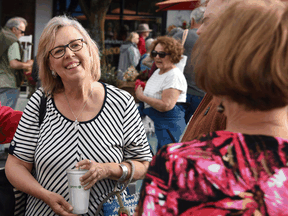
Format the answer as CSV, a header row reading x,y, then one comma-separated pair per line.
x,y
129,54
241,59
86,124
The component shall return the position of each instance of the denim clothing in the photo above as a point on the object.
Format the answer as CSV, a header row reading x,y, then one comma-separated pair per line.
x,y
9,97
168,125
194,101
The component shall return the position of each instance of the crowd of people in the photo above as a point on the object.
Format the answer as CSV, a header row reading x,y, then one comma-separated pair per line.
x,y
217,94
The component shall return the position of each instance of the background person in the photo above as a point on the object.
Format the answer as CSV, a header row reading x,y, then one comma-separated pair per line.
x,y
10,60
83,117
144,31
242,170
9,120
129,54
146,61
164,91
194,93
206,118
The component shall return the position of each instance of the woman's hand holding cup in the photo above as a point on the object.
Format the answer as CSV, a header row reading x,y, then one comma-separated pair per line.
x,y
96,172
58,204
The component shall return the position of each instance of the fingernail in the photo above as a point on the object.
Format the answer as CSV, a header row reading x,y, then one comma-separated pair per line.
x,y
71,208
80,179
76,165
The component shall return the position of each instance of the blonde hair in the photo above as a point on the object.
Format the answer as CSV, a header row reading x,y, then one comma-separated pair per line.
x,y
243,55
47,40
131,36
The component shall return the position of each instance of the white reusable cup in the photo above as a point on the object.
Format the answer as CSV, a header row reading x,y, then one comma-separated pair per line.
x,y
78,197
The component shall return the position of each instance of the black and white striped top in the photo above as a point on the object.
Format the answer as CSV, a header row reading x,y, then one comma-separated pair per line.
x,y
114,135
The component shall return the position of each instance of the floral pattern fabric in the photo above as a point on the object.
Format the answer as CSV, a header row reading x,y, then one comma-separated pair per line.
x,y
222,173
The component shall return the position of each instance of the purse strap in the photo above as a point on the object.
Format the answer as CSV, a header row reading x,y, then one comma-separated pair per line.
x,y
122,208
42,109
184,36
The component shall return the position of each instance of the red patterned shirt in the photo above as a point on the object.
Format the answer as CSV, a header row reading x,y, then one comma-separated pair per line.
x,y
222,173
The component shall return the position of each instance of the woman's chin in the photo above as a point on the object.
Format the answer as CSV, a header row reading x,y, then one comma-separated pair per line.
x,y
159,65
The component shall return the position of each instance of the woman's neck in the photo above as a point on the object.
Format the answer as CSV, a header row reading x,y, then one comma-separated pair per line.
x,y
166,69
80,91
270,123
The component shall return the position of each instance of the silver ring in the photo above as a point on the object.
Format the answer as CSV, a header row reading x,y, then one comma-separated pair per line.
x,y
89,161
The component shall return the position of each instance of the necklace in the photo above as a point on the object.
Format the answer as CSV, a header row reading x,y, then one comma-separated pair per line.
x,y
76,123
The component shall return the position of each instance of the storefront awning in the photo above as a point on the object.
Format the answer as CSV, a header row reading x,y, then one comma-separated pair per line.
x,y
177,5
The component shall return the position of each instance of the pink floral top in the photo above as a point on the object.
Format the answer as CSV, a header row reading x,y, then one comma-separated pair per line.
x,y
222,173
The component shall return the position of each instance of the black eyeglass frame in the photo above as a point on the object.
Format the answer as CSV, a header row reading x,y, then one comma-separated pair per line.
x,y
22,32
65,46
161,54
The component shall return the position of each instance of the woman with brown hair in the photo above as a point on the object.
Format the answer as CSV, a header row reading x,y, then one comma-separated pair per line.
x,y
165,91
242,60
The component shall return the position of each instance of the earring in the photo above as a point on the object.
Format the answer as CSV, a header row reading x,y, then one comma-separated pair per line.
x,y
54,74
220,108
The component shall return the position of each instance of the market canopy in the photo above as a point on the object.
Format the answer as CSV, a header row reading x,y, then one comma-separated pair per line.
x,y
177,5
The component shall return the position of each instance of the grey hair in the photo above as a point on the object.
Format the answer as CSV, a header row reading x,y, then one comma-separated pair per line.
x,y
148,43
197,14
15,22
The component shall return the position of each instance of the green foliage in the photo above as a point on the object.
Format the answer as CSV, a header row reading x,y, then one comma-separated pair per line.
x,y
108,74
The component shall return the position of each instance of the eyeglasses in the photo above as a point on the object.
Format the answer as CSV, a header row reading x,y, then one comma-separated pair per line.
x,y
161,54
74,46
22,32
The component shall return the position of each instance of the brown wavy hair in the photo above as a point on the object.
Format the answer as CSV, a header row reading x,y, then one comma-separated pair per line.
x,y
243,55
171,46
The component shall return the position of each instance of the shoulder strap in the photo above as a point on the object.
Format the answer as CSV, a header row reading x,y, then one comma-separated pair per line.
x,y
42,110
184,36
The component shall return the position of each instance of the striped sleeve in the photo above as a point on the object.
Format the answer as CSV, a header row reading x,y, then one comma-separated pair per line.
x,y
26,136
135,140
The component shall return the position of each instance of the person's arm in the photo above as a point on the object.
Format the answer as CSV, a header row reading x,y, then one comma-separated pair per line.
x,y
135,147
14,58
98,171
134,56
19,175
168,101
21,159
15,64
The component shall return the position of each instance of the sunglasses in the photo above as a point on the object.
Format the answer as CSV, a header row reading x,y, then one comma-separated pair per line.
x,y
22,32
161,54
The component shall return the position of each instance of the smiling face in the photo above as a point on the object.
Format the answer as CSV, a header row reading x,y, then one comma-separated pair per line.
x,y
72,66
162,63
